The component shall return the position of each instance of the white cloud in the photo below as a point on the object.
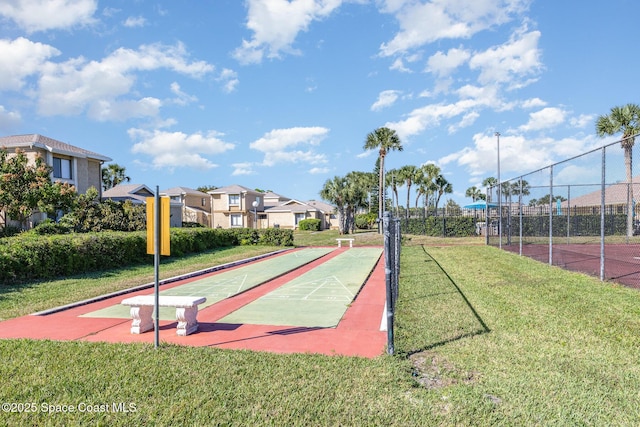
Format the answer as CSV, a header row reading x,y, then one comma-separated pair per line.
x,y
98,87
176,149
533,103
386,98
444,64
9,119
510,62
544,119
229,80
43,15
318,171
21,58
275,25
181,97
245,168
423,23
582,120
135,22
279,145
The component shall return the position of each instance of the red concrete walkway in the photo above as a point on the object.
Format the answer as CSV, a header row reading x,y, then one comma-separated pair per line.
x,y
357,334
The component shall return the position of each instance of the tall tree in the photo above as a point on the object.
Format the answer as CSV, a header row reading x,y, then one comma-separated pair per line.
x,y
410,174
473,192
384,140
489,182
391,180
113,175
427,186
625,119
334,192
443,187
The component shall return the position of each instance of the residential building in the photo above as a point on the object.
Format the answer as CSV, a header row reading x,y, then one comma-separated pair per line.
x,y
73,165
289,213
137,194
233,206
196,205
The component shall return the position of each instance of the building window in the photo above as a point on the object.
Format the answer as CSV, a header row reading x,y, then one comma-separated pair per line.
x,y
62,168
204,201
299,217
234,199
236,220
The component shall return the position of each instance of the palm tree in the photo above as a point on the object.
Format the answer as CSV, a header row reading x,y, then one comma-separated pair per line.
x,y
426,186
113,175
473,192
442,187
385,140
391,180
334,192
625,119
489,182
410,174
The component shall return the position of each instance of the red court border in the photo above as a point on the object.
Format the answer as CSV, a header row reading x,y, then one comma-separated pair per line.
x,y
357,334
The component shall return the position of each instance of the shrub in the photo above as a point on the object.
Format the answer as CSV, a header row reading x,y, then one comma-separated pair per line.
x,y
310,224
366,221
32,256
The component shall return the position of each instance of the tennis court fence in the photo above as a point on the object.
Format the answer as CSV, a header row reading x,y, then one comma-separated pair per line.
x,y
392,242
580,214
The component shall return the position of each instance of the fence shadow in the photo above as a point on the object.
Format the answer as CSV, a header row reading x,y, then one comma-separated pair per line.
x,y
481,326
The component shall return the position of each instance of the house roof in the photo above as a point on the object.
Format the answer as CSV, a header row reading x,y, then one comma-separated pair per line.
x,y
295,206
49,144
175,191
614,194
233,189
325,207
134,192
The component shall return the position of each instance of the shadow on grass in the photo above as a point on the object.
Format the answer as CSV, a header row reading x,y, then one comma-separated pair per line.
x,y
456,289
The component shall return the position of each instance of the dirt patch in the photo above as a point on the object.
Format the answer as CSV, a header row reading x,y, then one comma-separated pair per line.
x,y
433,371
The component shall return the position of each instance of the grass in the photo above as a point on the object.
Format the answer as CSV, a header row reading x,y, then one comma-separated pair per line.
x,y
484,337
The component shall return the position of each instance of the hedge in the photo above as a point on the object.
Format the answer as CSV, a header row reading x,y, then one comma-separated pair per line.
x,y
30,256
439,226
310,224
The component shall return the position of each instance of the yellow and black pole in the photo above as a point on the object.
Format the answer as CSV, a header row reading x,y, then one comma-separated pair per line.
x,y
158,243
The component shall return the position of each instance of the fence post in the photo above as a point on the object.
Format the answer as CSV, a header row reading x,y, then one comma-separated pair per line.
x,y
551,215
388,263
602,201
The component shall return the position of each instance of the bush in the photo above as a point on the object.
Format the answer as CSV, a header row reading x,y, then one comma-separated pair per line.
x,y
310,224
366,221
32,256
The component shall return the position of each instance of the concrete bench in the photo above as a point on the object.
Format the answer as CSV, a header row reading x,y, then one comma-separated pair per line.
x,y
186,312
344,240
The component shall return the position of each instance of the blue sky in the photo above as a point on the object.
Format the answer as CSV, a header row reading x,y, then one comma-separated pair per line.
x,y
280,95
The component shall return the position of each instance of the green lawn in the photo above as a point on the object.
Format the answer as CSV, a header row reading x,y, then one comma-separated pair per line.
x,y
483,337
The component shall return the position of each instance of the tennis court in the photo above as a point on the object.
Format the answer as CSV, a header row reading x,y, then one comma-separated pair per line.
x,y
621,264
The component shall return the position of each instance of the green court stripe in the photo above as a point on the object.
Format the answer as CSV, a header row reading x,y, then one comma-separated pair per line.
x,y
319,297
227,283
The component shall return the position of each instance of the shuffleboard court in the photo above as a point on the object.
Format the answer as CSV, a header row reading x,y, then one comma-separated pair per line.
x,y
225,284
318,298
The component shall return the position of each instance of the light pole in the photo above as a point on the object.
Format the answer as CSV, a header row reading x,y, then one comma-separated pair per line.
x,y
499,196
255,213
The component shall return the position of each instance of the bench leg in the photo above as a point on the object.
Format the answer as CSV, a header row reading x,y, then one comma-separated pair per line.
x,y
142,321
339,244
187,320
350,243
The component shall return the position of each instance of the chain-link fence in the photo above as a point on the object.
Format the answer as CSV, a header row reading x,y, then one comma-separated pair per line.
x,y
392,243
580,214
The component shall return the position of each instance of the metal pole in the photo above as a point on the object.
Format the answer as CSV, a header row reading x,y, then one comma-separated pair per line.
x,y
602,201
551,215
499,197
520,215
156,266
388,280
